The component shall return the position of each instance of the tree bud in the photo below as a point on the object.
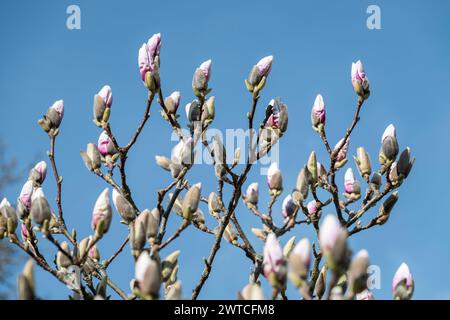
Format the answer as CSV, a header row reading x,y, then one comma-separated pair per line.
x,y
288,207
38,173
351,186
26,286
274,179
191,200
386,208
7,211
214,205
91,157
359,80
389,147
318,114
357,272
148,276
172,102
405,163
62,260
403,283
201,78
312,168
274,264
252,195
321,282
169,264
123,206
332,238
341,157
362,160
102,212
148,61
52,119
301,190
299,262
40,208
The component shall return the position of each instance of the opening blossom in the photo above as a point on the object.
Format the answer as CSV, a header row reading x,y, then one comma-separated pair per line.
x,y
260,70
147,55
105,145
359,80
39,172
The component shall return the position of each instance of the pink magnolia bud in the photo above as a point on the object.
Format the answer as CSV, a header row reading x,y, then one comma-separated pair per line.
x,y
277,113
251,195
172,102
274,178
318,113
58,106
403,277
106,94
206,68
105,145
359,80
147,275
343,152
201,77
274,262
147,55
303,250
265,65
26,194
329,232
312,208
365,295
288,207
349,181
102,211
39,172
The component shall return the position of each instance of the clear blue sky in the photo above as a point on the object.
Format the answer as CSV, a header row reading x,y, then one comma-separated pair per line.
x,y
313,42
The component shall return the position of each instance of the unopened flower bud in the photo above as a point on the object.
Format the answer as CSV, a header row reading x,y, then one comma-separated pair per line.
x,y
403,283
277,115
389,147
172,102
105,145
393,176
25,199
168,264
375,181
91,157
182,153
288,207
274,179
52,119
173,292
26,286
351,186
201,78
312,208
230,235
252,291
274,264
102,212
102,103
209,111
362,160
152,219
301,190
299,262
357,272
163,162
148,276
252,194
259,73
365,295
359,80
214,205
260,234
38,173
191,200
123,206
289,246
386,208
62,260
193,114
405,163
332,238
312,168
148,60
321,282
341,157
8,212
318,114
40,208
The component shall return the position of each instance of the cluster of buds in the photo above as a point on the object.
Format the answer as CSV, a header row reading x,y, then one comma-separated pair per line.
x,y
102,214
52,119
258,75
36,178
201,78
148,61
360,81
102,106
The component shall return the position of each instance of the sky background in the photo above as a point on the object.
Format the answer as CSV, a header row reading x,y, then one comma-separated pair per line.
x,y
314,44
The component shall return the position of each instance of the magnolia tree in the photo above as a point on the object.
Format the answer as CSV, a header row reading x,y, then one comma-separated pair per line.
x,y
306,265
